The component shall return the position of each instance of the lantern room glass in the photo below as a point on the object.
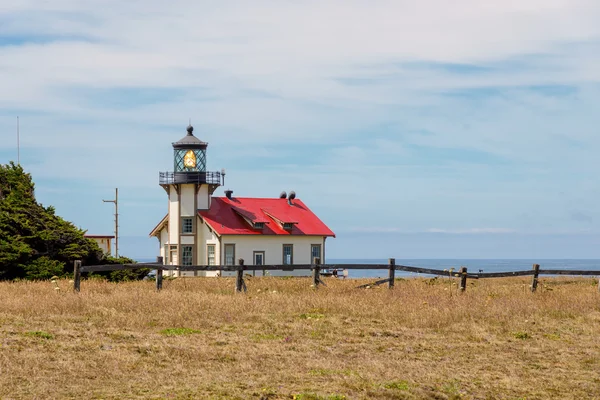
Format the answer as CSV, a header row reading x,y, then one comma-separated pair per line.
x,y
200,155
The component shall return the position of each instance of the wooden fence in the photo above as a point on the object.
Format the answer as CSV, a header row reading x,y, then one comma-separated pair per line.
x,y
316,268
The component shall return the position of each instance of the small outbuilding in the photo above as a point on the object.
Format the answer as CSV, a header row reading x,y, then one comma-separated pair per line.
x,y
104,241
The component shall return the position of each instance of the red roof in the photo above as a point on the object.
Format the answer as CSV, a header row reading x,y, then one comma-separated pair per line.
x,y
226,217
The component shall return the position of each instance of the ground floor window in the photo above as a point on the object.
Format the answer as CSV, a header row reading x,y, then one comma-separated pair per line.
x,y
230,254
173,254
315,251
259,258
288,254
210,254
186,255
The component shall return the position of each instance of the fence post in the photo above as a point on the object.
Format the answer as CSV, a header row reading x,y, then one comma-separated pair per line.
x,y
159,274
239,281
534,279
77,275
392,263
463,279
316,271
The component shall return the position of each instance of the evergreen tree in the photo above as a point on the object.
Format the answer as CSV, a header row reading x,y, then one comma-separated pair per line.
x,y
35,243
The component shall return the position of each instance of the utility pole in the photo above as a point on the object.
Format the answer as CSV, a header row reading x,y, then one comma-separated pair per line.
x,y
116,201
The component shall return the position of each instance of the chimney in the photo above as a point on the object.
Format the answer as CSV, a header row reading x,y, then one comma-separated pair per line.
x,y
283,195
229,193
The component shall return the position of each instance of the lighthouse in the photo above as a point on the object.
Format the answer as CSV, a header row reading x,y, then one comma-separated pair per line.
x,y
207,230
189,188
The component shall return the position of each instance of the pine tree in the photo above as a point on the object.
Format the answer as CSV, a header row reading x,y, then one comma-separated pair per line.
x,y
35,243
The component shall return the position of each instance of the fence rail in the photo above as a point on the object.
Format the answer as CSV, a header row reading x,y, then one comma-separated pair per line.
x,y
316,267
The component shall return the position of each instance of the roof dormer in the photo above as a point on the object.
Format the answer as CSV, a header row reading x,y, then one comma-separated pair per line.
x,y
255,221
284,221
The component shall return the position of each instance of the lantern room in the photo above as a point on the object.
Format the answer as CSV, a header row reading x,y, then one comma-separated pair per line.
x,y
189,163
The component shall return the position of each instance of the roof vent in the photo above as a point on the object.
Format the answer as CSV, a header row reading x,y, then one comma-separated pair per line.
x,y
283,195
229,193
291,197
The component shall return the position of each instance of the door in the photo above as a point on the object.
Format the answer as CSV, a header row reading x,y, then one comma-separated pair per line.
x,y
259,259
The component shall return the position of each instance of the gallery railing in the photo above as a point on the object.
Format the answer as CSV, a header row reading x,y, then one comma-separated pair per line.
x,y
169,178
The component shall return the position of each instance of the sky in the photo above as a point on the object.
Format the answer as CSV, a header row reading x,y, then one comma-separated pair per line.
x,y
427,129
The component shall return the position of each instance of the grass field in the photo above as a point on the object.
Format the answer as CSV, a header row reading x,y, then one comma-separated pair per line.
x,y
284,339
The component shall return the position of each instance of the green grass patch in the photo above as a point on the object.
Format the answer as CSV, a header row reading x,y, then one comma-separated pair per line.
x,y
521,335
178,331
397,385
40,334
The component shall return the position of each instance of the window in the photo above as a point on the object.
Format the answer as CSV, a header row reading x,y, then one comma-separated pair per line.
x,y
210,254
315,251
186,255
288,254
187,225
173,254
230,254
288,225
190,160
259,258
259,225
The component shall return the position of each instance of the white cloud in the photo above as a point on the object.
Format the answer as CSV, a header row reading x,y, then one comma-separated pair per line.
x,y
471,230
361,81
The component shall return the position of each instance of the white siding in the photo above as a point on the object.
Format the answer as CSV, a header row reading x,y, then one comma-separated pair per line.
x,y
104,244
162,251
164,237
245,246
205,237
203,198
173,216
187,239
163,242
187,200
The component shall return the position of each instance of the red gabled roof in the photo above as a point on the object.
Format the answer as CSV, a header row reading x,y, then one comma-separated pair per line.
x,y
225,217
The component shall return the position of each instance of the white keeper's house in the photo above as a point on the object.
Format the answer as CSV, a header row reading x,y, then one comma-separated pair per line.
x,y
202,229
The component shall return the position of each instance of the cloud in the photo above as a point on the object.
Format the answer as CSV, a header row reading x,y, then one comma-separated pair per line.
x,y
431,230
471,230
459,114
580,216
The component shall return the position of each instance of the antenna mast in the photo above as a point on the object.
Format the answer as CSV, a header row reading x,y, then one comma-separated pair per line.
x,y
18,144
116,201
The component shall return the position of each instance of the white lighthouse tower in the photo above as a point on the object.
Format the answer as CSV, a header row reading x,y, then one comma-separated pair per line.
x,y
190,188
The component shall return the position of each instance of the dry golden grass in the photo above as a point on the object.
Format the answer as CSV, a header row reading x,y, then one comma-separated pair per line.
x,y
197,339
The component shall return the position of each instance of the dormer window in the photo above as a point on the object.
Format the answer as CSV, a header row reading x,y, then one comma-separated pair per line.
x,y
288,225
259,225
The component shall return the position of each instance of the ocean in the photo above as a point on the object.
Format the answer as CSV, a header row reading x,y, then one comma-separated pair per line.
x,y
473,265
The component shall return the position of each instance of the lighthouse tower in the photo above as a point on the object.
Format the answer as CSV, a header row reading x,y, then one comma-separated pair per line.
x,y
189,188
